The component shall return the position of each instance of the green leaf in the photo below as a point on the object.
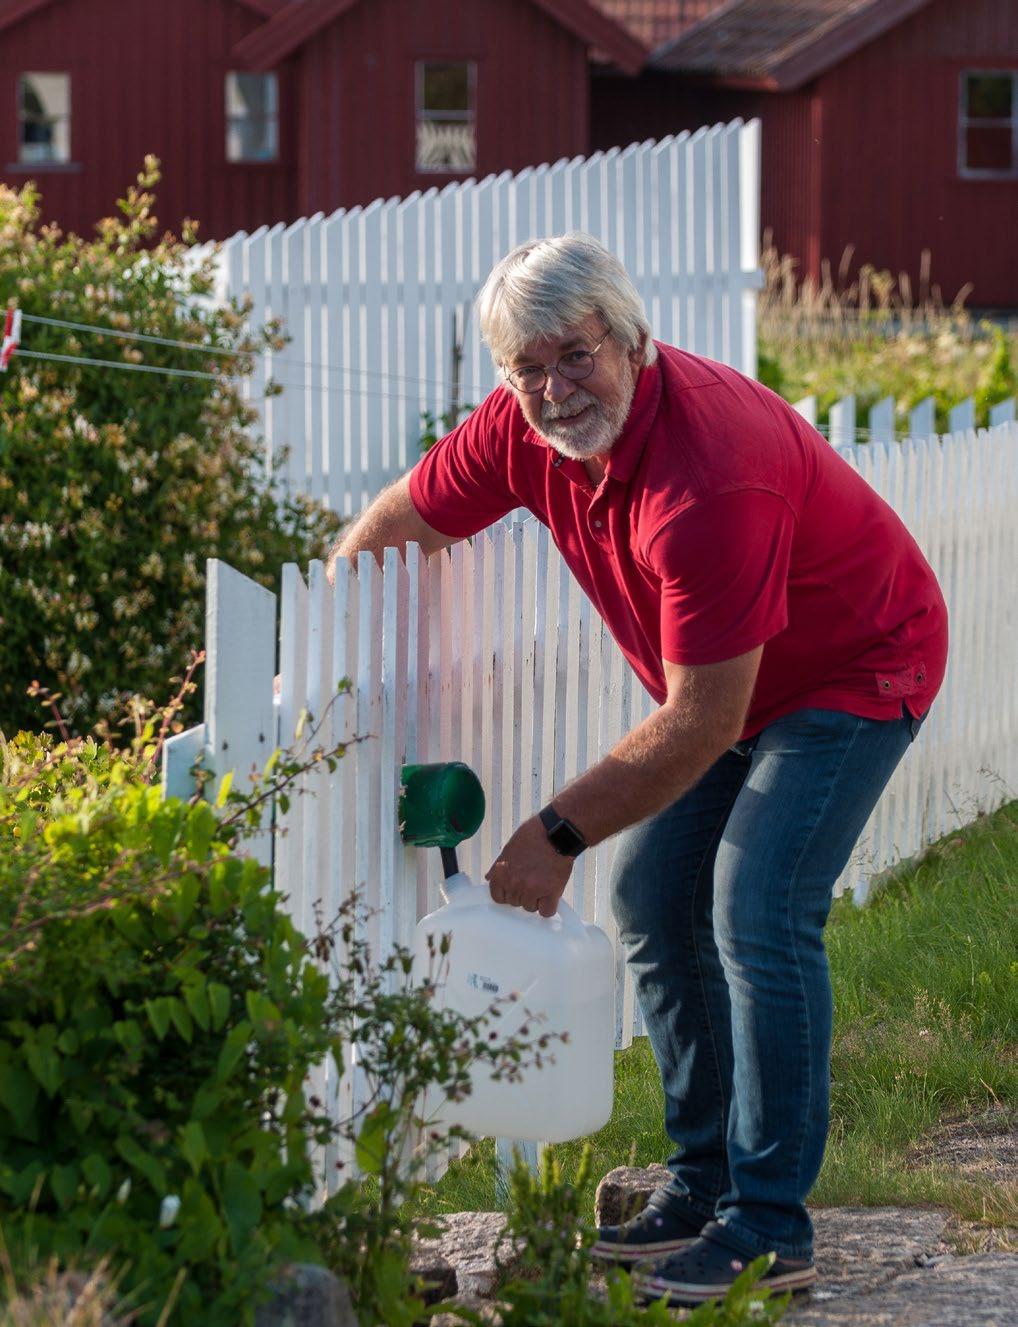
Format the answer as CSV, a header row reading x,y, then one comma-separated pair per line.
x,y
234,1048
201,830
219,1003
64,1180
197,1001
18,1093
193,1144
242,1204
44,1063
224,790
143,1162
199,1223
372,1142
159,1015
181,1018
97,1173
260,1009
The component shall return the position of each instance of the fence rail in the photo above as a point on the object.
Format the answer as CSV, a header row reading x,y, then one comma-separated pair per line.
x,y
490,653
378,301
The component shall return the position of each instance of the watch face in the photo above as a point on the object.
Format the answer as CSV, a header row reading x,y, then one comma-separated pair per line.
x,y
563,837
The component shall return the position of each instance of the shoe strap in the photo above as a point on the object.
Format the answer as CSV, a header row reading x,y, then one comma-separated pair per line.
x,y
718,1233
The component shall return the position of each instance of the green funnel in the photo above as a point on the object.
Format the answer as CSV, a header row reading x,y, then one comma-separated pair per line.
x,y
440,805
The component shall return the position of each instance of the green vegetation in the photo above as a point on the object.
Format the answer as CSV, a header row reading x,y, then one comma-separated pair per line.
x,y
926,1030
117,484
874,337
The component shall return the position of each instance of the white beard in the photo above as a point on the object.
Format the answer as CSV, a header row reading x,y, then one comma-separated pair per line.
x,y
601,427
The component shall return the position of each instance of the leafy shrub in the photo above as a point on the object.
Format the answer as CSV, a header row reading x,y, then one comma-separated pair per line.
x,y
158,1014
116,485
553,1285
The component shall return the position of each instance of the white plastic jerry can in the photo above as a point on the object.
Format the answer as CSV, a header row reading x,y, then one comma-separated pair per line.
x,y
562,971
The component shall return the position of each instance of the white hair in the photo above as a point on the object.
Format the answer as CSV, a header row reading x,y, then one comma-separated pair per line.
x,y
545,287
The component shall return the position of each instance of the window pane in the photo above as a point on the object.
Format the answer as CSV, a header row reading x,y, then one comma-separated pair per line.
x,y
251,94
446,145
446,87
989,96
988,148
252,120
44,130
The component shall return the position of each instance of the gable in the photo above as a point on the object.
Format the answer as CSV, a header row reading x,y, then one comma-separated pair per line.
x,y
296,22
14,11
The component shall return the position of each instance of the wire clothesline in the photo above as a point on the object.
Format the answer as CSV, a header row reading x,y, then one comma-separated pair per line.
x,y
277,358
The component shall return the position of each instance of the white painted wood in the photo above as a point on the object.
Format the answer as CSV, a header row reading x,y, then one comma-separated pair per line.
x,y
180,754
240,663
807,407
962,416
841,431
922,419
881,421
1002,413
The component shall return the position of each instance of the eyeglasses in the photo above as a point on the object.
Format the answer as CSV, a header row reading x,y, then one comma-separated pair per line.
x,y
574,365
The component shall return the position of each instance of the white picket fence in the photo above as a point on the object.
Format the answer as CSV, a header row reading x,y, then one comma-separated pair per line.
x,y
375,298
491,654
843,429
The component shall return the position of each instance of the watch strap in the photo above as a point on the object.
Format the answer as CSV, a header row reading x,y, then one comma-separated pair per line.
x,y
563,835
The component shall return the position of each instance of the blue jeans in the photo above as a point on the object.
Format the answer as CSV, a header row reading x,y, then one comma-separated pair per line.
x,y
721,901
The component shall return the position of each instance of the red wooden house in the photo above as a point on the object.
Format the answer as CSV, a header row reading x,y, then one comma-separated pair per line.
x,y
268,110
888,125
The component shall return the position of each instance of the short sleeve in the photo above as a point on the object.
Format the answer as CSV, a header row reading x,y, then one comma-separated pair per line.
x,y
461,484
724,565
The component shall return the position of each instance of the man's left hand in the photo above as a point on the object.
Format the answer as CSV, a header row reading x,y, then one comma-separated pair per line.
x,y
528,872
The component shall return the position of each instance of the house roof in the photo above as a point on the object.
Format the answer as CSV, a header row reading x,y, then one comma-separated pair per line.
x,y
779,44
655,22
296,22
13,11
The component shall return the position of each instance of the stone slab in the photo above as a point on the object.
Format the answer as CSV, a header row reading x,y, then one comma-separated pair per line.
x,y
469,1246
625,1191
976,1291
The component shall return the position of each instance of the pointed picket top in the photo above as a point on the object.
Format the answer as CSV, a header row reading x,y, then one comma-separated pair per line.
x,y
841,432
807,407
922,419
1002,413
962,417
881,420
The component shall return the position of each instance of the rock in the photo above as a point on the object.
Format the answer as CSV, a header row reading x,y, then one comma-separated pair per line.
x,y
859,1248
437,1273
625,1191
307,1296
976,1291
983,1147
469,1246
484,1308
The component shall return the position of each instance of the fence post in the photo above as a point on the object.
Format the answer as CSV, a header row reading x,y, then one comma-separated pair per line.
x,y
922,419
842,427
180,753
881,420
962,416
1002,412
240,727
807,407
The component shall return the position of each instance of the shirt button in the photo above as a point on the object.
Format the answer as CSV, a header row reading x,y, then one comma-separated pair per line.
x,y
598,524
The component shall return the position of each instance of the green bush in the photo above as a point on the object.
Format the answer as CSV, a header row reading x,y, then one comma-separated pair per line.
x,y
158,1014
116,485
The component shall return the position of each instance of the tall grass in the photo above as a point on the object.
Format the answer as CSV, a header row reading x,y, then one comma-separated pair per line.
x,y
926,1030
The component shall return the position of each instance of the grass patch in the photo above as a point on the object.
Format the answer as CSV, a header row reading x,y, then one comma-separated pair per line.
x,y
926,998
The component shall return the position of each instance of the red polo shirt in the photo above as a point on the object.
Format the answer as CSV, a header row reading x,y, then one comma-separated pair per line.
x,y
723,522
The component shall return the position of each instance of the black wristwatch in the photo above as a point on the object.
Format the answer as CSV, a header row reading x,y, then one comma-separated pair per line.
x,y
563,835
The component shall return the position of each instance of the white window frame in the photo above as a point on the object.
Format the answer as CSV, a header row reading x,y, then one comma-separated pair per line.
x,y
271,118
469,116
965,122
35,161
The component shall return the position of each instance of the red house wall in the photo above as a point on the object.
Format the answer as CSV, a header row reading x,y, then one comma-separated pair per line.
x,y
144,78
891,184
532,93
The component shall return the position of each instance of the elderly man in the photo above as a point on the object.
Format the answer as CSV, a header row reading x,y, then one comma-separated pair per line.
x,y
793,637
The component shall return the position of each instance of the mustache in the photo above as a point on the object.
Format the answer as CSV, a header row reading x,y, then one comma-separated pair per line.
x,y
550,411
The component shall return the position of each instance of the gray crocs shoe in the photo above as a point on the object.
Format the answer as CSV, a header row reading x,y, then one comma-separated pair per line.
x,y
652,1234
706,1268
